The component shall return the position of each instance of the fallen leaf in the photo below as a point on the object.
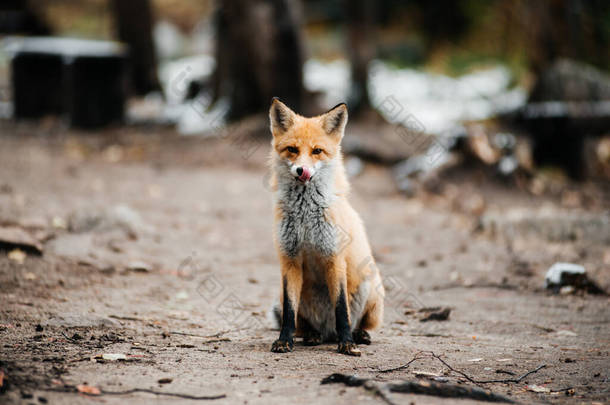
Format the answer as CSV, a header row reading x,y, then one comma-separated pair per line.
x,y
59,222
88,389
155,191
139,266
566,333
114,356
424,374
14,237
29,276
439,315
1,378
17,255
182,295
538,388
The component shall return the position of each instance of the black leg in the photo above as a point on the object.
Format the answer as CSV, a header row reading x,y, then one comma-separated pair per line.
x,y
285,343
344,333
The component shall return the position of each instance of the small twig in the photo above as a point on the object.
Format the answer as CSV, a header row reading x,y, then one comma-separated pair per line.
x,y
472,380
416,387
73,389
476,285
168,394
404,366
513,380
466,376
215,335
418,356
353,381
72,340
216,340
126,318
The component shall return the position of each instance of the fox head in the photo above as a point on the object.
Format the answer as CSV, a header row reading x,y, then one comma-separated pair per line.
x,y
304,145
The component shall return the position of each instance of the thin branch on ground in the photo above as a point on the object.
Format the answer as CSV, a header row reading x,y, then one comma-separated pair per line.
x,y
167,394
431,388
466,376
73,389
513,380
422,355
214,338
472,380
126,318
500,286
404,366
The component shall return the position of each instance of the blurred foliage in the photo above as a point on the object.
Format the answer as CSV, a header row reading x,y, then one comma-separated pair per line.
x,y
85,18
93,18
452,37
184,13
455,37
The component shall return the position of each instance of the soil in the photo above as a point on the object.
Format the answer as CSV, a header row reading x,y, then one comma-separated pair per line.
x,y
159,248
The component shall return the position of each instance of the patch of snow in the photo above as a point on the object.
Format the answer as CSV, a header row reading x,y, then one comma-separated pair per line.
x,y
439,102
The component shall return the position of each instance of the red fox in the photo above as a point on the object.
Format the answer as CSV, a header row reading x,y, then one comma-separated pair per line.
x,y
331,288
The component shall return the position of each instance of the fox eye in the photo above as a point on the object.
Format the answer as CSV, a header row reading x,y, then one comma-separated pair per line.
x,y
316,151
292,149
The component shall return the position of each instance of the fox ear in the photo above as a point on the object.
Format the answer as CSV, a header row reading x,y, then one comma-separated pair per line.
x,y
280,116
335,119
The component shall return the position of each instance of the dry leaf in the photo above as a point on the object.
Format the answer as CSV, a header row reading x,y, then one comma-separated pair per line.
x,y
17,255
88,389
114,356
538,388
14,237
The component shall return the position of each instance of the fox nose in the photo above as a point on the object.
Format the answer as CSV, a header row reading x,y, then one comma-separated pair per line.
x,y
299,171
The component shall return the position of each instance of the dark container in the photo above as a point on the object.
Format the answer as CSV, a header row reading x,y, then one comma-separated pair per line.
x,y
83,81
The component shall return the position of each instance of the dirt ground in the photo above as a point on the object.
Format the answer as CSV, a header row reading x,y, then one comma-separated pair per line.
x,y
159,249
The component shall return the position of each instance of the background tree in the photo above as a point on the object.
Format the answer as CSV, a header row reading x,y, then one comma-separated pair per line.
x,y
259,55
134,23
360,19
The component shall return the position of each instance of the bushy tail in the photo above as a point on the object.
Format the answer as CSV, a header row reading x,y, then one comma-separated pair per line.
x,y
275,315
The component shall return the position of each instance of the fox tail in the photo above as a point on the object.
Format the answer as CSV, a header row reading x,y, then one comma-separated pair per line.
x,y
275,315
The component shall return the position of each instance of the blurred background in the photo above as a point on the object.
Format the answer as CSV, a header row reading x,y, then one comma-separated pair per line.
x,y
443,94
484,72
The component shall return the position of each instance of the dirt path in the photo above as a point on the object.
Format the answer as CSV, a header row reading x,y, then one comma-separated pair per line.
x,y
162,252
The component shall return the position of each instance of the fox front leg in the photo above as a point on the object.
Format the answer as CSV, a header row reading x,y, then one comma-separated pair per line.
x,y
337,282
292,281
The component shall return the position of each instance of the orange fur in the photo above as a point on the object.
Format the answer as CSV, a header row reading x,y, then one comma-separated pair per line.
x,y
351,266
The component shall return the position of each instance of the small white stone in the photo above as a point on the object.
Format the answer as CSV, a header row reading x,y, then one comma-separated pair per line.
x,y
553,276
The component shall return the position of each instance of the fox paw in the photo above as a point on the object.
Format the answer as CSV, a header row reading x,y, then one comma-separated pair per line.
x,y
349,348
361,336
282,346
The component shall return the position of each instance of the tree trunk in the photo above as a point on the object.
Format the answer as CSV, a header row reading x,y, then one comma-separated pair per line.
x,y
259,55
21,17
360,19
134,22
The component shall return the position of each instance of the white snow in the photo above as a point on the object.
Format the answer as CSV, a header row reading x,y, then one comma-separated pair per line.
x,y
439,102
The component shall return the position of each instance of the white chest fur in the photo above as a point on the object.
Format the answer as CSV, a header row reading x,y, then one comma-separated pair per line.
x,y
305,225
